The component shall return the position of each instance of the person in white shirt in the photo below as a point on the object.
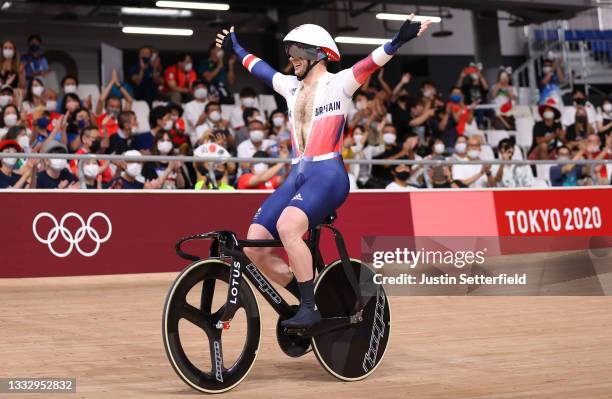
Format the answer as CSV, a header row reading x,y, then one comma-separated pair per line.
x,y
256,142
511,175
604,118
194,114
471,175
401,175
248,99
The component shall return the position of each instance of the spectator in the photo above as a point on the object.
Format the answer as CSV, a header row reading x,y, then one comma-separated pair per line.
x,y
401,174
381,174
131,178
34,96
429,92
51,104
604,120
6,96
170,172
567,174
222,172
91,144
257,142
451,121
580,129
9,179
70,104
177,133
160,120
363,111
55,173
503,92
579,100
401,112
248,99
220,77
439,176
548,134
262,176
420,114
511,175
10,118
123,141
594,151
179,79
194,110
146,76
12,70
109,106
277,124
43,129
213,121
70,85
474,87
248,115
551,79
35,62
88,172
20,134
473,175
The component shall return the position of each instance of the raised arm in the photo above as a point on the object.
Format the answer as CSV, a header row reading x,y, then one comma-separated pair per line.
x,y
253,64
380,56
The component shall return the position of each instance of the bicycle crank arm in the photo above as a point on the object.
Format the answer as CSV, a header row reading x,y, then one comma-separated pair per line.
x,y
326,325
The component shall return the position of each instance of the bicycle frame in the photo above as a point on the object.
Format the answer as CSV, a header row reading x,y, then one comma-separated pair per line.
x,y
225,245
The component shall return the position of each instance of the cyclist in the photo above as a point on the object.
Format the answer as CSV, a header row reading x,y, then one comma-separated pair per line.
x,y
317,184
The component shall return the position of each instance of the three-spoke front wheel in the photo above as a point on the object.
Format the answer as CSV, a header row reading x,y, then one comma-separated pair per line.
x,y
207,358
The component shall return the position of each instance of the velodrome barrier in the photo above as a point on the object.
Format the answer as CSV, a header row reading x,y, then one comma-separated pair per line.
x,y
77,232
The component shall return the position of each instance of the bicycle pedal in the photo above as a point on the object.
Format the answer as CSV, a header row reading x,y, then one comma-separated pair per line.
x,y
295,331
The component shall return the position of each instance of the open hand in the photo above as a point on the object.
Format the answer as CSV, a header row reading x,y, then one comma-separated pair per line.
x,y
221,36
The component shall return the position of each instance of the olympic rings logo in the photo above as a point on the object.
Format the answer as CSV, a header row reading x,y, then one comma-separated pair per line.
x,y
73,240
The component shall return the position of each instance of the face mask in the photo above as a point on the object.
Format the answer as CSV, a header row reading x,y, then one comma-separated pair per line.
x,y
58,164
358,139
34,47
24,142
70,89
215,116
438,148
43,122
260,167
220,54
164,147
8,52
10,120
278,121
563,158
168,125
249,102
403,175
549,115
593,148
607,107
95,145
389,138
81,123
428,93
37,90
133,169
456,98
200,93
256,135
547,69
473,154
360,106
4,100
460,147
51,105
10,162
188,67
91,170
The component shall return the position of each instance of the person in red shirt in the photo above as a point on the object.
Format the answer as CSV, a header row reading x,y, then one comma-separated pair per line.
x,y
179,78
109,106
599,173
261,175
90,143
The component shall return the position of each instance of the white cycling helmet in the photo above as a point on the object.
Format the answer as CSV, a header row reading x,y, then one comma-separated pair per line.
x,y
316,36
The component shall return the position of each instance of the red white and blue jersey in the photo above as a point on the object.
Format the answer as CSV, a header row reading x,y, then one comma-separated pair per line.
x,y
331,103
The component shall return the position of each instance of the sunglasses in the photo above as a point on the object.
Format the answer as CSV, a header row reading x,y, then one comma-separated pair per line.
x,y
296,50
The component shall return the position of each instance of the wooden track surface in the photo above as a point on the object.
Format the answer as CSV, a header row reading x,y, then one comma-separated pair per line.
x,y
106,332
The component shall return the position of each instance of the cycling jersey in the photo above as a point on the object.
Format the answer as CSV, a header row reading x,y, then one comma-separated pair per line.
x,y
332,98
